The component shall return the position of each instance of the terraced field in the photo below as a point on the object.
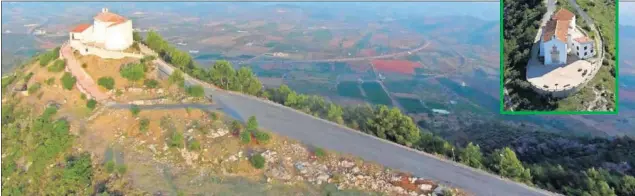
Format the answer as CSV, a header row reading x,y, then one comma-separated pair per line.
x,y
349,89
375,94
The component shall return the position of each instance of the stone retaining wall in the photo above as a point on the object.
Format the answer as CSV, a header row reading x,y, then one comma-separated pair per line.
x,y
106,54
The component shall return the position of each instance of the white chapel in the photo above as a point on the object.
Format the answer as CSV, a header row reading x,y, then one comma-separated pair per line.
x,y
560,37
109,31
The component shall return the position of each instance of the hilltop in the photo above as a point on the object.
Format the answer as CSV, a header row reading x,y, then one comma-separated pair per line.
x,y
116,147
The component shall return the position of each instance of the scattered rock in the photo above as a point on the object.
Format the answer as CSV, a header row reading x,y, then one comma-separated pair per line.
x,y
347,164
439,190
270,156
425,187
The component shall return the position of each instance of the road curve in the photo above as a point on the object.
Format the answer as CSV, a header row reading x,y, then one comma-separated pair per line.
x,y
318,132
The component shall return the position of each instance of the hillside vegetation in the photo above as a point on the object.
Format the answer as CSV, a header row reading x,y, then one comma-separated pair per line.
x,y
392,124
520,26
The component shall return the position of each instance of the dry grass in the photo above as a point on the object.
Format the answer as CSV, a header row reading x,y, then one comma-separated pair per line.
x,y
97,67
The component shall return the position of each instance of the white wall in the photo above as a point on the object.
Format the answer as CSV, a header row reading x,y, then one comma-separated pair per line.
x,y
106,54
588,50
119,37
562,47
99,31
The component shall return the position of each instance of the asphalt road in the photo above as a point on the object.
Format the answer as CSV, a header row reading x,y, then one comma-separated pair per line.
x,y
321,133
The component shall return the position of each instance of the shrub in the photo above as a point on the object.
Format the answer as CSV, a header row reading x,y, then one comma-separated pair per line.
x,y
84,65
194,145
176,139
134,109
143,125
133,72
47,57
110,166
261,136
245,137
319,152
58,66
106,82
50,81
34,88
121,169
83,96
68,81
257,161
151,83
195,91
28,77
91,104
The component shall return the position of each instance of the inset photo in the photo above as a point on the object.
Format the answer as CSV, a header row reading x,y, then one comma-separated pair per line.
x,y
559,57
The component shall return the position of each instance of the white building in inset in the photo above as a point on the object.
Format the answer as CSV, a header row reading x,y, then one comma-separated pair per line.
x,y
560,37
109,31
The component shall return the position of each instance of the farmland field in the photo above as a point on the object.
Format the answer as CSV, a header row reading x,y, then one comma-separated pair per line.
x,y
412,105
397,66
375,94
349,89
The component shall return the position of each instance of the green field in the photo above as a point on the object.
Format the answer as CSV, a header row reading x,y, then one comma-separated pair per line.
x,y
375,94
435,105
349,89
412,105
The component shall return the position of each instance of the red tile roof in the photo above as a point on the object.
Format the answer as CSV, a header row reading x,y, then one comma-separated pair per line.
x,y
583,39
560,28
110,17
80,28
563,14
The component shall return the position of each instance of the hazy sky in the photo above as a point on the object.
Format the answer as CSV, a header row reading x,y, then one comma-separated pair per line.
x,y
627,13
483,10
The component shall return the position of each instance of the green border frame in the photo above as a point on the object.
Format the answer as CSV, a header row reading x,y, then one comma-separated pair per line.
x,y
502,73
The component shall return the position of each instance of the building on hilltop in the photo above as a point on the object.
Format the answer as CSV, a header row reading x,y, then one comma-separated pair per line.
x,y
561,37
109,31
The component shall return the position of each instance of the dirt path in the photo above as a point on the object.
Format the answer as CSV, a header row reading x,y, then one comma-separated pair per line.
x,y
85,83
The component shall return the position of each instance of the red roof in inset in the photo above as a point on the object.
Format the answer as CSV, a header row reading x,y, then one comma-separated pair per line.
x,y
110,17
80,28
583,39
563,14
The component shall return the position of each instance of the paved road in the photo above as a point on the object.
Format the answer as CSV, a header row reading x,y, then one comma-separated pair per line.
x,y
318,132
165,106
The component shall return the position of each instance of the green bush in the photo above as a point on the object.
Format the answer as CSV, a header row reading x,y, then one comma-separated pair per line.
x,y
257,161
195,91
151,83
261,136
319,152
194,145
133,72
47,57
68,81
121,169
91,104
83,96
175,140
57,66
50,81
143,125
110,166
34,88
28,77
245,137
134,109
106,82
